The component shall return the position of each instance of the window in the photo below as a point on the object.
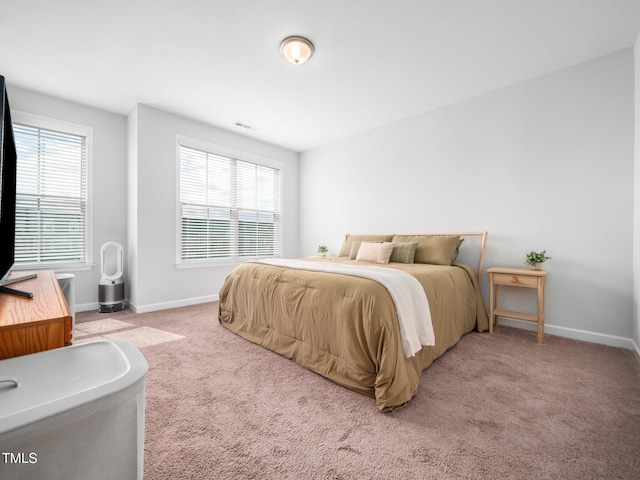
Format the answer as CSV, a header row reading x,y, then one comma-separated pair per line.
x,y
52,208
229,207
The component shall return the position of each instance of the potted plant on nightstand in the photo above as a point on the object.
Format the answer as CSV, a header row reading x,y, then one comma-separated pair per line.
x,y
322,250
535,259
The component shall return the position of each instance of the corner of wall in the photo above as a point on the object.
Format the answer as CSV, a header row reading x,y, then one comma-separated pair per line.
x,y
636,202
132,206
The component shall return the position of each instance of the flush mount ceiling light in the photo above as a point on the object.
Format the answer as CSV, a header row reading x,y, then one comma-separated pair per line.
x,y
296,49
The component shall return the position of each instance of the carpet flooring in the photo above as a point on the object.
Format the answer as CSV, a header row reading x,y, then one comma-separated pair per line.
x,y
493,407
110,328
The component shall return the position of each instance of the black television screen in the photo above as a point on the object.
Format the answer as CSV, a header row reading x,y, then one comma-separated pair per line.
x,y
8,170
8,158
2,95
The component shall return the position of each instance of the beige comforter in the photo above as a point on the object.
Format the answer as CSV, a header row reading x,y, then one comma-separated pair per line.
x,y
345,327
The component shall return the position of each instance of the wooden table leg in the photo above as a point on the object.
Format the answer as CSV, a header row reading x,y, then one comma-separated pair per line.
x,y
491,305
497,305
540,309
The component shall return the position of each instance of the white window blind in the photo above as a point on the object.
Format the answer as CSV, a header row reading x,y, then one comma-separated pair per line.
x,y
51,197
229,208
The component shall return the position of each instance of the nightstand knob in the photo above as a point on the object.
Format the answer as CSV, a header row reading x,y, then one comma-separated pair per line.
x,y
514,279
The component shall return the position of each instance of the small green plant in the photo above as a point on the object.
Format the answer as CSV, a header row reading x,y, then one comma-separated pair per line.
x,y
322,249
533,258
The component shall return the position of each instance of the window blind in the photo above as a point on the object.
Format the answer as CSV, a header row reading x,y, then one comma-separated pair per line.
x,y
51,197
229,208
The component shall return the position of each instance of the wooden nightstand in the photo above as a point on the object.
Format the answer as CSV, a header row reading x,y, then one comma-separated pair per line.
x,y
516,277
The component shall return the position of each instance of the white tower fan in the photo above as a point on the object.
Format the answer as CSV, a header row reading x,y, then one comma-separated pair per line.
x,y
111,287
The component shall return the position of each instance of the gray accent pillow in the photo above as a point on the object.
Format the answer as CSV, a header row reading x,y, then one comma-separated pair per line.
x,y
404,252
355,246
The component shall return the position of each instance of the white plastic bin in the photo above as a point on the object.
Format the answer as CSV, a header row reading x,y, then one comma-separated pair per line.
x,y
73,413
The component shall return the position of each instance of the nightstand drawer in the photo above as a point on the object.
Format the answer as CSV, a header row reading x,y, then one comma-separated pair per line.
x,y
515,280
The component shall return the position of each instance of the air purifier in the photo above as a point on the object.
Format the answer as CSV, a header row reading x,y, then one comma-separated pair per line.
x,y
111,287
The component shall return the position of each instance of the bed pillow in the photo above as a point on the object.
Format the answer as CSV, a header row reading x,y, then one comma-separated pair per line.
x,y
345,249
457,252
375,252
355,246
433,249
404,252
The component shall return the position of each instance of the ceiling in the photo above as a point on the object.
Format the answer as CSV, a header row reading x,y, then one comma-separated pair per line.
x,y
376,61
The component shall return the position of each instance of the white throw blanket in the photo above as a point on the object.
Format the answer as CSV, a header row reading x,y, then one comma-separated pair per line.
x,y
412,306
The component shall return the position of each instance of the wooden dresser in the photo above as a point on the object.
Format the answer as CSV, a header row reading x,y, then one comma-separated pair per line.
x,y
30,325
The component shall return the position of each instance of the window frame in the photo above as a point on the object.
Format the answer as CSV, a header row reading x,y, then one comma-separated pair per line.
x,y
65,127
222,151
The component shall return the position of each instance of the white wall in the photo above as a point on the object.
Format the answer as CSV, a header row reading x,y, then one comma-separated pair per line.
x,y
109,176
545,164
134,161
158,284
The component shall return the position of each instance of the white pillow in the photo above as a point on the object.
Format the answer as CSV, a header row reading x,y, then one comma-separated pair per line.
x,y
375,252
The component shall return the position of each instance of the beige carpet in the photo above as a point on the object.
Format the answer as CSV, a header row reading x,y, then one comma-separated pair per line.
x,y
110,328
494,407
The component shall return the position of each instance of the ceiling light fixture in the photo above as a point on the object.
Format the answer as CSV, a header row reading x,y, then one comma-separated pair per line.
x,y
296,49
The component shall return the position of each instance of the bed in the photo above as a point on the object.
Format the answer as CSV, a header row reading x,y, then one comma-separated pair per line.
x,y
346,326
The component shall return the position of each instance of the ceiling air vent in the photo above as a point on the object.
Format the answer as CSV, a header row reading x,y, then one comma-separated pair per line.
x,y
245,126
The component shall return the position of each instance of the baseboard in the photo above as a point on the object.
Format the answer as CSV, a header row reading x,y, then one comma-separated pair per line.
x,y
87,307
636,350
576,334
174,304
